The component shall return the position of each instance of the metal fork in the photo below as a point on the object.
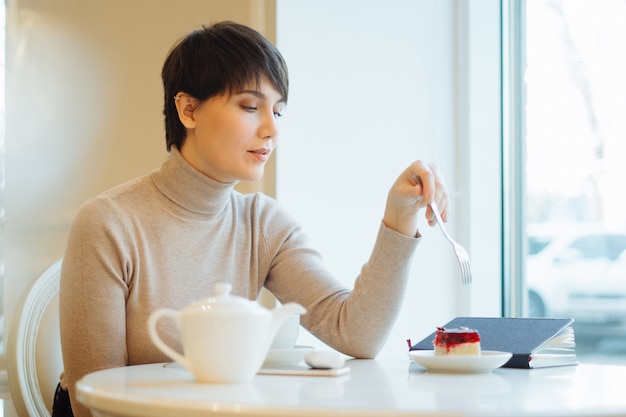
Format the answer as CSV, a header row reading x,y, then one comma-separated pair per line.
x,y
459,251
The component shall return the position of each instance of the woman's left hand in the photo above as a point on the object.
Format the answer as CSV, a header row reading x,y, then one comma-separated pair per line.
x,y
417,186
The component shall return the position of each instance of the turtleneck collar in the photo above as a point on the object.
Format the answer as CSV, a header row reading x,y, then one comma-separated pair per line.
x,y
189,188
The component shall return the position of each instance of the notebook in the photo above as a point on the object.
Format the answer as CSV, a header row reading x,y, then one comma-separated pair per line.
x,y
534,342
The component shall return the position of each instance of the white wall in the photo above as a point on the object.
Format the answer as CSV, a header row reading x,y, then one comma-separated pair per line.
x,y
374,86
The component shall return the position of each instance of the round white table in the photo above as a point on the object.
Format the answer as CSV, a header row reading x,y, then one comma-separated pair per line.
x,y
381,387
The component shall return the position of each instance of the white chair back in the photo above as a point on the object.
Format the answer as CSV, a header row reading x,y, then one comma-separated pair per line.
x,y
34,359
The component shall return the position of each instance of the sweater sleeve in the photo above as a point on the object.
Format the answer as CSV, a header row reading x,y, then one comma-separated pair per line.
x,y
92,290
356,322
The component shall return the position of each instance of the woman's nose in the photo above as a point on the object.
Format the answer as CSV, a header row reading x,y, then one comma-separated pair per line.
x,y
269,126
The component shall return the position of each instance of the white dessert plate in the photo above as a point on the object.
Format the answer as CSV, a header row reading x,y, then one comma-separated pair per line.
x,y
487,361
287,356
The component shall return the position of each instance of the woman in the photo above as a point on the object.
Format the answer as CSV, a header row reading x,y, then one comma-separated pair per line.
x,y
164,239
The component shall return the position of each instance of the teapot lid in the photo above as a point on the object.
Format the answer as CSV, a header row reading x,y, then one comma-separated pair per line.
x,y
222,299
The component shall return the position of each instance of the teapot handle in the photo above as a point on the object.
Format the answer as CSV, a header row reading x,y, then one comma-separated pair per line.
x,y
156,339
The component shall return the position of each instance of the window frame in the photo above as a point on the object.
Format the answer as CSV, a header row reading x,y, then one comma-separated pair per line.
x,y
513,155
480,160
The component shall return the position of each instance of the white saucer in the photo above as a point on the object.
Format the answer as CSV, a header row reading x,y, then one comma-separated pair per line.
x,y
485,362
287,356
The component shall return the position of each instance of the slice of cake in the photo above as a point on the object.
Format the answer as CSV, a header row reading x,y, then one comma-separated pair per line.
x,y
459,341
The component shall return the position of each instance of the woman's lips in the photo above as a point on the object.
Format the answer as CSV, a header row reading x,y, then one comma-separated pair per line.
x,y
261,155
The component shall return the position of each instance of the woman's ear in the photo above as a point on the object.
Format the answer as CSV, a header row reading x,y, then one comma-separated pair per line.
x,y
186,105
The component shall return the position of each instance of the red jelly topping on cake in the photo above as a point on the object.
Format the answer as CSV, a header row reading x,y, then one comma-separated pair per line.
x,y
454,337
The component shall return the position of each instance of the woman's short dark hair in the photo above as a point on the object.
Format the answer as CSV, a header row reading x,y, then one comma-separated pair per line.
x,y
217,59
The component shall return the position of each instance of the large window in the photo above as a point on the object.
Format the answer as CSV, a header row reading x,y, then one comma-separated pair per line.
x,y
574,136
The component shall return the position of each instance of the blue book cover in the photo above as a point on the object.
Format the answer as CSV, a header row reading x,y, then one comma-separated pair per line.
x,y
534,342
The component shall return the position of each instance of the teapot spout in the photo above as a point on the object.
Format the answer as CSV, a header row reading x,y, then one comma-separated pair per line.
x,y
288,309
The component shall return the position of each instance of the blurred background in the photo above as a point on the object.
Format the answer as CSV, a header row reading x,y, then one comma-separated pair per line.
x,y
575,131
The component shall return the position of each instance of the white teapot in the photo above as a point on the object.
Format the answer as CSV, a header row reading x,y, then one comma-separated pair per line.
x,y
225,337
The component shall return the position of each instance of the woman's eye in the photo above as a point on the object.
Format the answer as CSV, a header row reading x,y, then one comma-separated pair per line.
x,y
250,108
278,111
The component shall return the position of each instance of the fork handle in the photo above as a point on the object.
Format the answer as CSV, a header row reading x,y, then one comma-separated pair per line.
x,y
435,209
433,205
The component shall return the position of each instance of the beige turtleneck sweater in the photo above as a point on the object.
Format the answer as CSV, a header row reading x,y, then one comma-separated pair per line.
x,y
164,239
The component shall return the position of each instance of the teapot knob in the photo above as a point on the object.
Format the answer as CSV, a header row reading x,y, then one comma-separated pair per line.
x,y
222,289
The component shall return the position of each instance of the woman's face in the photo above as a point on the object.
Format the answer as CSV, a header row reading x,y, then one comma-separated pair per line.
x,y
231,137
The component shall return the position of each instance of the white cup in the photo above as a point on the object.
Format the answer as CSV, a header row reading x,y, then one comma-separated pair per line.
x,y
287,334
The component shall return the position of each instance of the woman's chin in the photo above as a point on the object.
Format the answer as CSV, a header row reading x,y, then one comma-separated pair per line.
x,y
256,175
